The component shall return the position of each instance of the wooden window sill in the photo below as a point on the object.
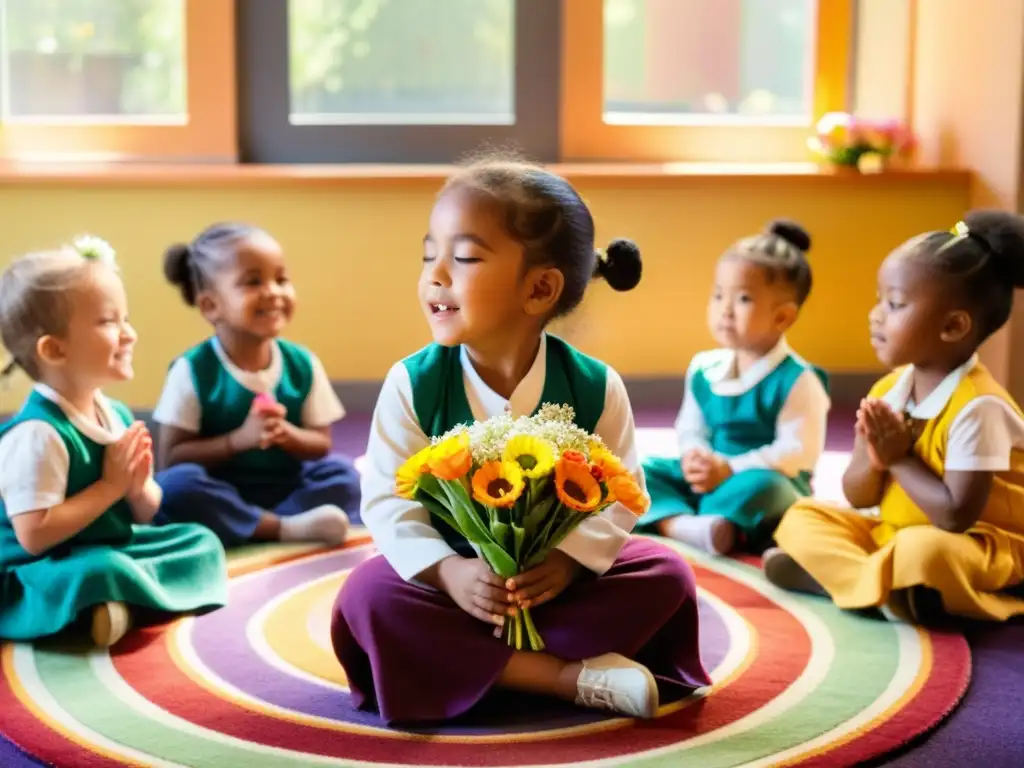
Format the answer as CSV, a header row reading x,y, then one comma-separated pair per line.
x,y
228,175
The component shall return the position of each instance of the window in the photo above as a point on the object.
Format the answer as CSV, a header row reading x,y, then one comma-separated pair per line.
x,y
116,77
94,59
397,80
700,80
442,62
688,61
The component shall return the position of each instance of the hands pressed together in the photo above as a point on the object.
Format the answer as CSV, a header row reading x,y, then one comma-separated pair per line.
x,y
265,426
128,463
888,436
705,471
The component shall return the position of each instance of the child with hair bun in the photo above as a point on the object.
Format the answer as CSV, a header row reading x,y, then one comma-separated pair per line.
x,y
939,445
752,424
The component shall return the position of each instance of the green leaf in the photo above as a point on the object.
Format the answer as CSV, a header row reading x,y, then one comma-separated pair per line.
x,y
499,560
518,540
500,532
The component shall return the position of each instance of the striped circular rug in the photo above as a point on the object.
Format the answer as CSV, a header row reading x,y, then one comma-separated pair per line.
x,y
256,684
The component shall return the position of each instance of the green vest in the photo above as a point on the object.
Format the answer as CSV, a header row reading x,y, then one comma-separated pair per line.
x,y
745,422
114,527
440,402
225,404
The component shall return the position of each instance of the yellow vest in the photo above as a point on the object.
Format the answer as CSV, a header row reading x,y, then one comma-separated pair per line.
x,y
1005,507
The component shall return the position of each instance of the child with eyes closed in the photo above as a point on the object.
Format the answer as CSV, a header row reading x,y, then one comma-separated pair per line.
x,y
939,446
752,424
510,247
245,416
77,494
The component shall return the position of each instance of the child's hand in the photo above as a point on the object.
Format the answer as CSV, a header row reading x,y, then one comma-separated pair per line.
x,y
887,434
708,471
121,460
861,429
694,463
476,589
544,582
144,465
250,435
276,431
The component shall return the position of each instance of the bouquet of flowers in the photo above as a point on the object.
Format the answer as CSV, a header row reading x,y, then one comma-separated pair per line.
x,y
515,488
867,145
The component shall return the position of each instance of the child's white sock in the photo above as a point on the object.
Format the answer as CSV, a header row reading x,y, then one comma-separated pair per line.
x,y
711,533
326,523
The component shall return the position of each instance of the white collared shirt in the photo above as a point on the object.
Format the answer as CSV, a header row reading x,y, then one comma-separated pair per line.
x,y
800,427
179,405
983,434
402,529
34,462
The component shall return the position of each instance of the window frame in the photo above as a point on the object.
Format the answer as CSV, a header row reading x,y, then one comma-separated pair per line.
x,y
208,134
266,134
586,137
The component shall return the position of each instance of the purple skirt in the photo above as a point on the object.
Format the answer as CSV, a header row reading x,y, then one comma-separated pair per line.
x,y
413,655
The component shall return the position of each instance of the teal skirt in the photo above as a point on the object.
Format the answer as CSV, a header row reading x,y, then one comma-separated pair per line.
x,y
753,500
171,569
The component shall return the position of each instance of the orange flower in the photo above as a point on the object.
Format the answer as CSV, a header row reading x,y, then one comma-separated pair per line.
x,y
574,456
408,476
607,462
576,487
451,459
626,491
498,483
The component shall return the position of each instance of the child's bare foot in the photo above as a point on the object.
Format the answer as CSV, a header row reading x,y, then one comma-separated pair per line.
x,y
785,572
711,533
326,523
110,622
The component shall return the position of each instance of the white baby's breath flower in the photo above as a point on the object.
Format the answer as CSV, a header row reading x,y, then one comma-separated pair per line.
x,y
95,248
553,423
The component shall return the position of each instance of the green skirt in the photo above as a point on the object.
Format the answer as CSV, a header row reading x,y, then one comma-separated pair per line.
x,y
753,500
171,568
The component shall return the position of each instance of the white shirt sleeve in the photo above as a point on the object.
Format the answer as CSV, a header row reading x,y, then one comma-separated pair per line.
x,y
34,465
983,436
596,542
401,529
691,429
322,407
799,432
179,405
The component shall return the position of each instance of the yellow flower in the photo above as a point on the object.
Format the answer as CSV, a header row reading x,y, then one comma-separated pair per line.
x,y
607,462
576,487
408,475
498,483
451,459
626,491
534,456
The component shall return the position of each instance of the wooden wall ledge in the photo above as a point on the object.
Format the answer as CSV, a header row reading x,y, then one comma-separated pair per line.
x,y
227,175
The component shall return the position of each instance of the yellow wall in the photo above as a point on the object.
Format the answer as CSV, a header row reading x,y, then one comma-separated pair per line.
x,y
354,248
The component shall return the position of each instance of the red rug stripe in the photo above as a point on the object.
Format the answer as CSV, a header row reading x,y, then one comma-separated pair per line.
x,y
32,736
144,655
938,697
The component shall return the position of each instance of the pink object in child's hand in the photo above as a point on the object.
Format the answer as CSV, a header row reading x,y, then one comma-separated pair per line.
x,y
264,402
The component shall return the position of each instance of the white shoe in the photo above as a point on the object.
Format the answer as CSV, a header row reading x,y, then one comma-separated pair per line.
x,y
110,622
614,682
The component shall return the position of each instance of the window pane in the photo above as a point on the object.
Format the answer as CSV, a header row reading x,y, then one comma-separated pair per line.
x,y
679,60
402,61
94,59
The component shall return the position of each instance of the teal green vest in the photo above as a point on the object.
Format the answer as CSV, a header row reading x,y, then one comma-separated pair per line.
x,y
114,527
440,402
744,422
225,404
